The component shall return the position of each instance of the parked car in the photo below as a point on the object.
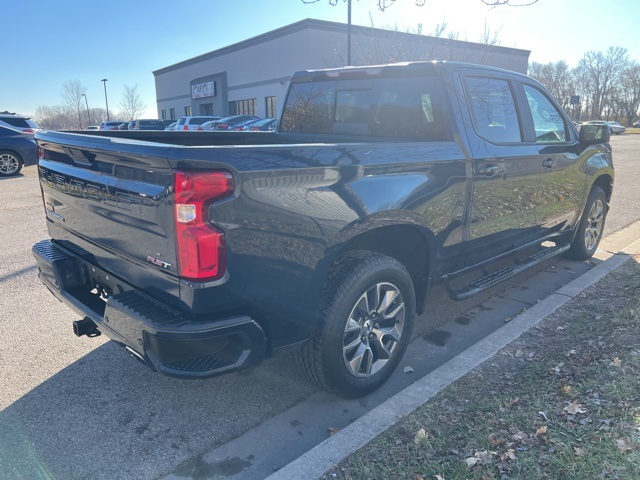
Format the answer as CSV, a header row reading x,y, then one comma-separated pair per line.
x,y
208,126
17,148
614,127
115,125
123,126
264,125
637,124
171,127
146,124
168,122
192,123
241,127
20,122
93,127
228,123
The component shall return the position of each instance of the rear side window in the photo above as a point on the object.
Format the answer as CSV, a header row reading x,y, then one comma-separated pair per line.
x,y
18,122
493,109
198,120
382,107
547,119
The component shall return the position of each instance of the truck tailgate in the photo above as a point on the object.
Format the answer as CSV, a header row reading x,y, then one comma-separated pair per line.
x,y
113,200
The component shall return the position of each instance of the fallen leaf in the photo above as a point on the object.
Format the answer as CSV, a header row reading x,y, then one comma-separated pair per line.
x,y
439,477
574,408
616,362
542,414
472,461
541,431
580,451
509,454
408,370
519,353
571,352
333,430
566,389
558,368
495,440
624,444
421,437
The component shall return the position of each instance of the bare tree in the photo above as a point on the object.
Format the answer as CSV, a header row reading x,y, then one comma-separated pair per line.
x,y
629,93
600,73
72,91
131,104
384,4
557,78
488,37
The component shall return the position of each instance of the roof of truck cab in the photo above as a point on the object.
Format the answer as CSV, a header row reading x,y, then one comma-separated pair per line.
x,y
391,69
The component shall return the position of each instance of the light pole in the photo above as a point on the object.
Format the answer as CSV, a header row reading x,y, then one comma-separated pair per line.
x,y
87,104
104,82
349,33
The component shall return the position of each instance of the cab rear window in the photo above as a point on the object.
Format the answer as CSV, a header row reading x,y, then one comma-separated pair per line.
x,y
384,107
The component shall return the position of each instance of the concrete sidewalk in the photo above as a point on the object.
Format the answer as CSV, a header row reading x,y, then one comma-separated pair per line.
x,y
614,250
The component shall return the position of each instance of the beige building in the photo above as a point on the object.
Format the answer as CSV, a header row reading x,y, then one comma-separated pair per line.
x,y
250,77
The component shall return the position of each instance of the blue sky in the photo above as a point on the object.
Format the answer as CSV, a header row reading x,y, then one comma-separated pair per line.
x,y
47,43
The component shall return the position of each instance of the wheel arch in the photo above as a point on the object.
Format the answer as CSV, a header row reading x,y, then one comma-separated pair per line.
x,y
411,244
605,182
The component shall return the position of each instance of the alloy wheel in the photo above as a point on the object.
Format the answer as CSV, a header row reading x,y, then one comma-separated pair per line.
x,y
373,330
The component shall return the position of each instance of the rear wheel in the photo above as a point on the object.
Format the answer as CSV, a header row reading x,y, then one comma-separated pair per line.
x,y
591,226
10,163
364,325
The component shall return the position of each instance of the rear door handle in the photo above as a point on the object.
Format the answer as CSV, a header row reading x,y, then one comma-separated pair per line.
x,y
549,163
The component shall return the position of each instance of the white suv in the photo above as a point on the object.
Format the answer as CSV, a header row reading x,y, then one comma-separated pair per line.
x,y
18,122
192,123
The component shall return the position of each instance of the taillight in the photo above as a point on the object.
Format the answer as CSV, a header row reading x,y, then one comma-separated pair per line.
x,y
200,246
40,153
186,127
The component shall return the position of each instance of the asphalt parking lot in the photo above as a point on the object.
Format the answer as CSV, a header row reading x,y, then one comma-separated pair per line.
x,y
82,408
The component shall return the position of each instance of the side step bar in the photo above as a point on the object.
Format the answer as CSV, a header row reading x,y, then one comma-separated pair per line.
x,y
491,279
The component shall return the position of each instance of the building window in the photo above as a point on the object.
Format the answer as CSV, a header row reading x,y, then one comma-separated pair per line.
x,y
187,111
164,113
243,107
172,113
270,107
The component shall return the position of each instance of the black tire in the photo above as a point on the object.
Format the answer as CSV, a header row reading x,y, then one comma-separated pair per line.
x,y
589,231
10,163
354,348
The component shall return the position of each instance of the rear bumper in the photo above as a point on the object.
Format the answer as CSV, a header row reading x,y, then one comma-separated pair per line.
x,y
164,338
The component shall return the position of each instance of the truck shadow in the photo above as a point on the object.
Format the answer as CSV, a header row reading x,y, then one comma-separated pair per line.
x,y
108,416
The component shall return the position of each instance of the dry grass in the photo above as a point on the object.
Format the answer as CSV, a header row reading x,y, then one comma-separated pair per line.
x,y
561,402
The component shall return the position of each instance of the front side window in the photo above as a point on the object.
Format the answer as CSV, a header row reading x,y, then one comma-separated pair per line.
x,y
493,109
547,120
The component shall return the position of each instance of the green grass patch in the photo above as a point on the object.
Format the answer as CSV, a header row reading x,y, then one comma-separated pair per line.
x,y
561,402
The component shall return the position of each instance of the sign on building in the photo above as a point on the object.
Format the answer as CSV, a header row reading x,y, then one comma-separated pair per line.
x,y
201,90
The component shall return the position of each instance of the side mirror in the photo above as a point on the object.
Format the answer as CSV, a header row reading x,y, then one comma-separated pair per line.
x,y
591,134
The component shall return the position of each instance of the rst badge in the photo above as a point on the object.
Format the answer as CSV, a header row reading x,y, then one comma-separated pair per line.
x,y
157,262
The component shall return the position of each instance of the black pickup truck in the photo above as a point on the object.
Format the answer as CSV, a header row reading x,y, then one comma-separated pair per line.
x,y
205,252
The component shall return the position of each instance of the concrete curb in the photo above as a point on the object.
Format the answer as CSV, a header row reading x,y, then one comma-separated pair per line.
x,y
332,451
